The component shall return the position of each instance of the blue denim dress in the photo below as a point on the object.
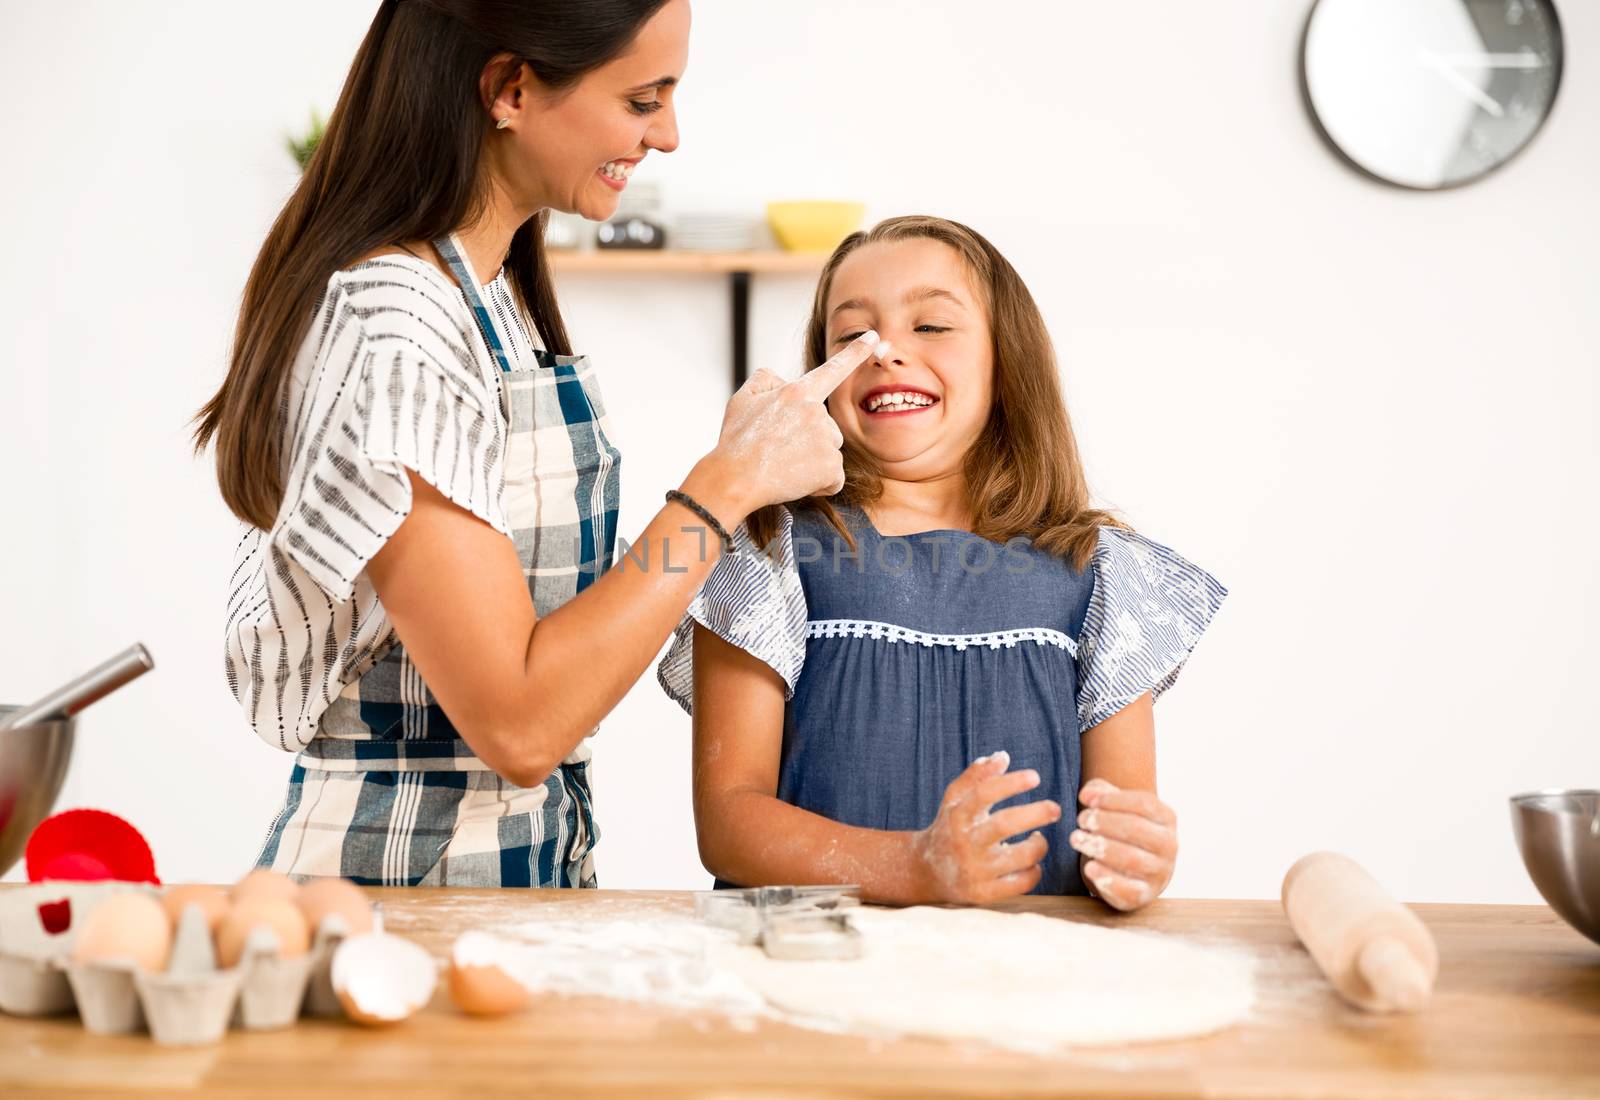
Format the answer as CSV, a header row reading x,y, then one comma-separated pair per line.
x,y
905,658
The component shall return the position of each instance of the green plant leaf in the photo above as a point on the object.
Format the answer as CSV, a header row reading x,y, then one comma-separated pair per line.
x,y
301,147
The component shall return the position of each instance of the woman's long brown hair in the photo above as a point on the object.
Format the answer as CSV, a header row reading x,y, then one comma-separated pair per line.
x,y
1023,475
399,161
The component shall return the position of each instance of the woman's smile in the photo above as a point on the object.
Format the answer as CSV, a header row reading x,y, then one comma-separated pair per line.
x,y
615,173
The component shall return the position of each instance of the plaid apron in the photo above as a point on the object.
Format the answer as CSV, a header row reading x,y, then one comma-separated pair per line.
x,y
388,793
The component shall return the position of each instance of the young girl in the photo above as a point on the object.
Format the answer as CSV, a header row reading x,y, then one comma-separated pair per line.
x,y
956,628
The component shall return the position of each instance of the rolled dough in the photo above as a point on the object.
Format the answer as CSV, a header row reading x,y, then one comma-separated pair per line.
x,y
1014,980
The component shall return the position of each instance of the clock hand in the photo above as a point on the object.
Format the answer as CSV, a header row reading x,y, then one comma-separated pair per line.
x,y
1463,85
1527,59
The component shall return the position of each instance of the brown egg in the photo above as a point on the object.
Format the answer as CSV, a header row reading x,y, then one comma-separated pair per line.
x,y
486,990
262,883
283,917
326,897
129,928
212,900
482,978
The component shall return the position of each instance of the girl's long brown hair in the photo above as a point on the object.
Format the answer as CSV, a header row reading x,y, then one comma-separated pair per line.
x,y
1023,474
399,161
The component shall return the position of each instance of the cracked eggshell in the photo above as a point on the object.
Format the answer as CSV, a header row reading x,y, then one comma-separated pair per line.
x,y
130,928
382,979
483,975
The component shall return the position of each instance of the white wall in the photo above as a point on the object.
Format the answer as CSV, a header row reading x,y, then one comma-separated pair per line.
x,y
1370,412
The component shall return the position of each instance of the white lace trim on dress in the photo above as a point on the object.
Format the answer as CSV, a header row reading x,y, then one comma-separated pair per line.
x,y
888,632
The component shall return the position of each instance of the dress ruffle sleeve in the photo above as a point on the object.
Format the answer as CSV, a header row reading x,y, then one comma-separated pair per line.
x,y
1147,610
752,600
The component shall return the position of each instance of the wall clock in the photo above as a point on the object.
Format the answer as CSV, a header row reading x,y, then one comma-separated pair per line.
x,y
1430,94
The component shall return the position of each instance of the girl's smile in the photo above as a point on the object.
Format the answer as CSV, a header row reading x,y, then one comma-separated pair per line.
x,y
896,400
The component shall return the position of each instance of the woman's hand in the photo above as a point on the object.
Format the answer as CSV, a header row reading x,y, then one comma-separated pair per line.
x,y
778,438
1129,840
963,856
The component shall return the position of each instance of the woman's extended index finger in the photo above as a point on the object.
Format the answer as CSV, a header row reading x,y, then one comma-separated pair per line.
x,y
818,384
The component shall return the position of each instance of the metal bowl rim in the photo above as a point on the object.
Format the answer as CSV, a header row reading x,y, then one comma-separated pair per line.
x,y
1546,792
55,723
1531,800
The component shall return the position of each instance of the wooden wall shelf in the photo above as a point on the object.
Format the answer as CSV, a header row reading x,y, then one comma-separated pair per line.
x,y
668,262
737,266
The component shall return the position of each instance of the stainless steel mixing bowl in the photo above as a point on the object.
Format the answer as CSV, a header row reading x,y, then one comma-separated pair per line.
x,y
1559,835
33,764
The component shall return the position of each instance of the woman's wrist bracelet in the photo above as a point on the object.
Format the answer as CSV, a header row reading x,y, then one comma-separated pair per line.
x,y
704,513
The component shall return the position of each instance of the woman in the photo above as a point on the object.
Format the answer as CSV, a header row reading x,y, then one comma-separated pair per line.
x,y
422,602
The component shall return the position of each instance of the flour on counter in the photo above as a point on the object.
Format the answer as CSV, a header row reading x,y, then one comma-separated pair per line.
x,y
1016,980
1019,981
660,958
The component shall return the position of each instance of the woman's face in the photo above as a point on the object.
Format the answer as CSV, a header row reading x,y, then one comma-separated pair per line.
x,y
573,150
919,295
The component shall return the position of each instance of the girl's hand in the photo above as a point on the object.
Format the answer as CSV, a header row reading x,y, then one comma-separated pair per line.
x,y
778,438
1129,840
963,856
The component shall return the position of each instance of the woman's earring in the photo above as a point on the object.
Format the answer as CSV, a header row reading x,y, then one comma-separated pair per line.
x,y
502,124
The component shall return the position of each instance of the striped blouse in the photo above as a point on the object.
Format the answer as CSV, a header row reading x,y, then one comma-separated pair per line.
x,y
392,373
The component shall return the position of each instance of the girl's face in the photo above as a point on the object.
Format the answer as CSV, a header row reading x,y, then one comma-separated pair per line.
x,y
573,150
920,410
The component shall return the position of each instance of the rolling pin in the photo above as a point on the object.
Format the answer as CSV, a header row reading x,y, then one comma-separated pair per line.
x,y
1374,950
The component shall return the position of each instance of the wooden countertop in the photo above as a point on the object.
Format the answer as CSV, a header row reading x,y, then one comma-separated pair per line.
x,y
1516,1014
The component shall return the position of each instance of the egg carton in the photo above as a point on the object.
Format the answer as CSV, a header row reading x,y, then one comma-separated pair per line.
x,y
33,979
194,1001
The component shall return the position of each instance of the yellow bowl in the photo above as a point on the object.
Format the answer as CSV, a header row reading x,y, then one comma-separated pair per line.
x,y
813,226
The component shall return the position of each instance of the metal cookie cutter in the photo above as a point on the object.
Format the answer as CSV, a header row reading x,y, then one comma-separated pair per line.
x,y
790,922
810,936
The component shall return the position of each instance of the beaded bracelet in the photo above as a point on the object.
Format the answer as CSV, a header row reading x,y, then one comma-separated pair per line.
x,y
704,513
